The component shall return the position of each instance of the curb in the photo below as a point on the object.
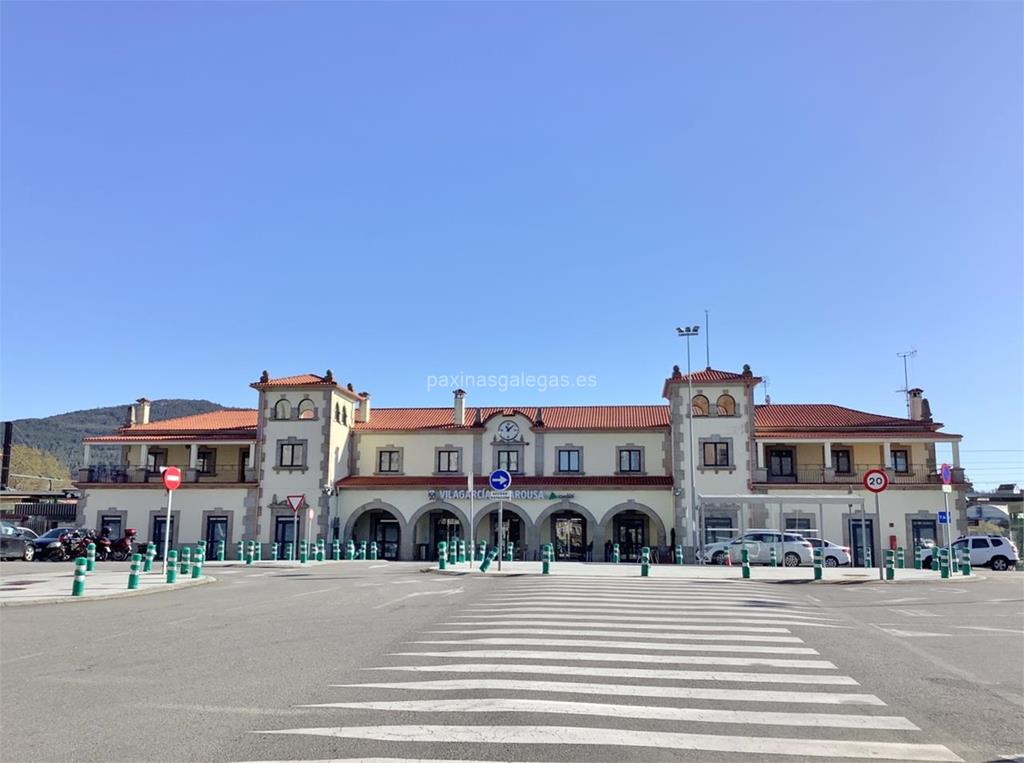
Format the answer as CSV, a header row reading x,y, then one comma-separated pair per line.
x,y
117,595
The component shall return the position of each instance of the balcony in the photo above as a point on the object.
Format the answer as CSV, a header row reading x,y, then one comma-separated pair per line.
x,y
817,474
109,474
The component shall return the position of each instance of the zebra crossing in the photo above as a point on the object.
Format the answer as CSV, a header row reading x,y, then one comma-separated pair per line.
x,y
549,669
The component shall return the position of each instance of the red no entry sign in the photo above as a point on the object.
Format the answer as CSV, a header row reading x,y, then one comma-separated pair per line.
x,y
876,480
172,477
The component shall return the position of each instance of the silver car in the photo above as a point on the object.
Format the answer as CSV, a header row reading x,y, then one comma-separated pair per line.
x,y
832,554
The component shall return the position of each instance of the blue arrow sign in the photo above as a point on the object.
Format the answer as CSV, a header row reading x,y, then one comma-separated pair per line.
x,y
943,517
500,480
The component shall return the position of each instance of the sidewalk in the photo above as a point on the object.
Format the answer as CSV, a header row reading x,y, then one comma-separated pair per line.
x,y
837,575
54,585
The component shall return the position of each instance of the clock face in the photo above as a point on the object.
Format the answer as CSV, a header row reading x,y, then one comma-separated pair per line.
x,y
508,430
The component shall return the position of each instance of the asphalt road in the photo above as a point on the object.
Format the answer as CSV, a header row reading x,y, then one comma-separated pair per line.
x,y
569,669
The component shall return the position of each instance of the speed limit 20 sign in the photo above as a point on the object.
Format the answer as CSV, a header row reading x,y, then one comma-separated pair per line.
x,y
876,480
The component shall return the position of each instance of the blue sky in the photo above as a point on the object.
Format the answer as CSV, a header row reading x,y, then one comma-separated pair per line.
x,y
193,192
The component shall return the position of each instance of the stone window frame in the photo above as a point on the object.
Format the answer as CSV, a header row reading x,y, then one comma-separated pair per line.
x,y
298,411
735,406
643,459
218,512
448,447
274,410
559,449
848,449
278,467
211,461
905,449
518,447
715,438
389,448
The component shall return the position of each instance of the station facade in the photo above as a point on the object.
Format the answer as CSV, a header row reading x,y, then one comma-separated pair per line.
x,y
584,477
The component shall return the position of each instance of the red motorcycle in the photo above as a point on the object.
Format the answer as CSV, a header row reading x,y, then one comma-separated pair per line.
x,y
121,548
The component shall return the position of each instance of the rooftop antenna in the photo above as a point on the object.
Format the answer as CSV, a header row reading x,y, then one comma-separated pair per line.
x,y
767,397
911,353
707,339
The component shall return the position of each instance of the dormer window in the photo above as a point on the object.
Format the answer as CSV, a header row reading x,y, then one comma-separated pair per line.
x,y
699,406
725,405
307,410
282,409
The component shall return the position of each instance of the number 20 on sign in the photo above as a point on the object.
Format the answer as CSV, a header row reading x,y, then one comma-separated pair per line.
x,y
876,480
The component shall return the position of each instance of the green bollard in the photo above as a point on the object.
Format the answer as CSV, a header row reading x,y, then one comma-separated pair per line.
x,y
241,550
288,552
373,551
868,561
509,551
133,576
186,560
273,552
321,550
482,551
918,564
336,550
442,555
462,552
817,563
221,547
249,553
491,556
954,562
965,561
150,556
772,560
90,557
943,564
679,554
362,550
350,550
172,566
900,558
197,568
745,560
890,564
645,562
616,555
257,551
78,586
303,552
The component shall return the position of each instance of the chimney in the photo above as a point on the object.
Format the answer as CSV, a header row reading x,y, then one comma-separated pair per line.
x,y
364,407
129,419
460,407
916,410
142,411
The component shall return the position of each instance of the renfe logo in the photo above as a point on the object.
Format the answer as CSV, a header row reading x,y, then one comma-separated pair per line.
x,y
172,477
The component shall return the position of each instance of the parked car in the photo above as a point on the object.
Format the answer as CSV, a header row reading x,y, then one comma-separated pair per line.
x,y
28,532
14,544
993,551
792,549
833,555
48,537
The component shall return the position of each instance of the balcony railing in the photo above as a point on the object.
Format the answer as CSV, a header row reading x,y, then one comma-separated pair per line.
x,y
114,474
816,474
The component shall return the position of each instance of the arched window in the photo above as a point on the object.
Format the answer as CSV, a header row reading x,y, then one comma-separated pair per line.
x,y
306,409
344,415
282,410
700,405
726,405
337,412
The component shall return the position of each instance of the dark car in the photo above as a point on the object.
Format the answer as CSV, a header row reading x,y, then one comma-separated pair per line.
x,y
14,544
48,537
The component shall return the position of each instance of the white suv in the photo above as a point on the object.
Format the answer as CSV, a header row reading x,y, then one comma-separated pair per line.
x,y
791,549
993,551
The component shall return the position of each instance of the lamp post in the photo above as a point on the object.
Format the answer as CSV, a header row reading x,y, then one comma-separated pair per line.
x,y
698,543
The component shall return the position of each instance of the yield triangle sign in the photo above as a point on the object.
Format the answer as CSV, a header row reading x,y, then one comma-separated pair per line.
x,y
296,501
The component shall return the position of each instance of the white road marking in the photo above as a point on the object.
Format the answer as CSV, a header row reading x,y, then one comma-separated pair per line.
x,y
913,612
899,633
443,592
662,740
622,611
660,674
905,600
651,712
656,629
663,659
545,642
318,590
602,617
628,634
986,628
23,657
624,596
377,566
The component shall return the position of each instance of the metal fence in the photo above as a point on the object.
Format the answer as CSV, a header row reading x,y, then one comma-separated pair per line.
x,y
114,474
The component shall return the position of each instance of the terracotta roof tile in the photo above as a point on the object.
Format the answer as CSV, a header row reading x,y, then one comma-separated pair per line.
x,y
233,424
828,416
554,417
306,380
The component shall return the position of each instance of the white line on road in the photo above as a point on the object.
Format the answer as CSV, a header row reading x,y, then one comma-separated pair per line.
x,y
650,712
545,642
905,600
986,628
634,626
913,612
377,566
602,617
659,740
900,633
23,657
318,590
443,592
628,634
660,674
664,659
597,609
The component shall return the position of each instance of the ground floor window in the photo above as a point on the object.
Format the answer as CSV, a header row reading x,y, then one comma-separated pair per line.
x,y
216,531
157,536
798,523
569,534
630,529
717,529
110,525
922,531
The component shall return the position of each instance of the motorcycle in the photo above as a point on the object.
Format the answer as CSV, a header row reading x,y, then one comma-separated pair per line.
x,y
121,549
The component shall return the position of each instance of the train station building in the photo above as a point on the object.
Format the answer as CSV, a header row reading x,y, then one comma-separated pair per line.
x,y
584,477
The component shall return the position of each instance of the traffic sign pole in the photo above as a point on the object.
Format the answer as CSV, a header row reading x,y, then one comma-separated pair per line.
x,y
172,479
875,480
501,481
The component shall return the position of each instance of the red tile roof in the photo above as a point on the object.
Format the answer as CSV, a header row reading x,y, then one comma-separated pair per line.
x,y
231,424
480,481
810,419
709,376
304,381
554,417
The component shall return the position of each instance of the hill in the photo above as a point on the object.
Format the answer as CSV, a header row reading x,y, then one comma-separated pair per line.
x,y
61,435
26,460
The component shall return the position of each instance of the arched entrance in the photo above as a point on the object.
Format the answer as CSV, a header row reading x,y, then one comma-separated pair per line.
x,y
434,523
516,523
571,529
633,526
378,522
